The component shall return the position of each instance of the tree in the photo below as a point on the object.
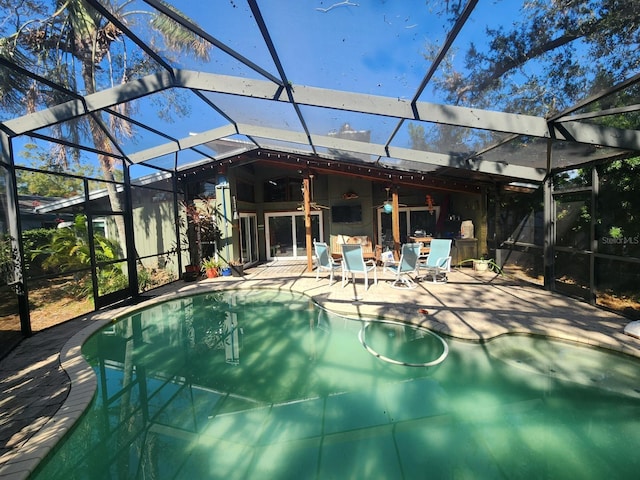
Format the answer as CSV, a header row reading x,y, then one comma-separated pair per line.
x,y
72,44
554,52
45,184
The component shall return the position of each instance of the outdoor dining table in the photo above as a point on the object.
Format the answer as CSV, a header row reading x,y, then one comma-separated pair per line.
x,y
425,241
366,255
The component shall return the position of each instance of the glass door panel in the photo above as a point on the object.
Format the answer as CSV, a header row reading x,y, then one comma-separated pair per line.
x,y
301,237
422,221
385,230
411,219
280,236
572,256
286,234
249,238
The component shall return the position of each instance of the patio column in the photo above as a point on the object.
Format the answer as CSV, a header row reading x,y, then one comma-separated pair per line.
x,y
549,225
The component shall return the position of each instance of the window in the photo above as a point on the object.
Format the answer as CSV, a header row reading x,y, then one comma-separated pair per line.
x,y
208,189
245,192
284,189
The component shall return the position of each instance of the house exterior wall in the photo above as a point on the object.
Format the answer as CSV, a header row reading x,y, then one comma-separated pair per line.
x,y
334,190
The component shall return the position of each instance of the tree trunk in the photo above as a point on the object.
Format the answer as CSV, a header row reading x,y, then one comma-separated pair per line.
x,y
103,144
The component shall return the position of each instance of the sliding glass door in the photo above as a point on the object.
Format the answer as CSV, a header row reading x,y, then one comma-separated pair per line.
x,y
286,234
412,219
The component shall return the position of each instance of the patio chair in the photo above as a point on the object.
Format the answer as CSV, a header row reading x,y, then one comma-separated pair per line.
x,y
438,261
324,261
408,264
353,262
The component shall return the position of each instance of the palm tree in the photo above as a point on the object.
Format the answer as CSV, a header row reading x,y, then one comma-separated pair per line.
x,y
61,37
70,36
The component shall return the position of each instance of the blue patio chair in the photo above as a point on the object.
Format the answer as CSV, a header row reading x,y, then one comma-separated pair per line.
x,y
438,261
408,264
324,261
353,262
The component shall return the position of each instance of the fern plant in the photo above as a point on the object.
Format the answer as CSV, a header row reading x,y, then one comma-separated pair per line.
x,y
69,251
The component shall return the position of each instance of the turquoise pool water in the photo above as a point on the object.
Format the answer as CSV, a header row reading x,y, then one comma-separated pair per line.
x,y
265,384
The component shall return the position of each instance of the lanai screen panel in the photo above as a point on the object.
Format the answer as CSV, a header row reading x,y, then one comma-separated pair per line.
x,y
23,92
570,154
445,139
274,148
521,150
213,38
255,111
49,155
228,146
163,117
165,162
447,53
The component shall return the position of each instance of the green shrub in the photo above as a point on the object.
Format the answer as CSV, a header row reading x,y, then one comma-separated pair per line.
x,y
69,250
35,242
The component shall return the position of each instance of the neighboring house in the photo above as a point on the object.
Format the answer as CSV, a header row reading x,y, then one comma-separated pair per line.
x,y
34,212
152,211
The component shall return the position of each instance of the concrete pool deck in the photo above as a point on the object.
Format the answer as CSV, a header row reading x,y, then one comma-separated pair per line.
x,y
46,385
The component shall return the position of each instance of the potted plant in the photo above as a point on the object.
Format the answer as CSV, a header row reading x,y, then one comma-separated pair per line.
x,y
211,267
483,264
191,272
199,229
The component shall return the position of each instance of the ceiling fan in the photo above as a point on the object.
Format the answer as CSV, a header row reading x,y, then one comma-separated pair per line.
x,y
387,205
312,204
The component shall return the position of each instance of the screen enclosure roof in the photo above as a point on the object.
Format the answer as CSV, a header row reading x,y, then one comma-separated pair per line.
x,y
496,90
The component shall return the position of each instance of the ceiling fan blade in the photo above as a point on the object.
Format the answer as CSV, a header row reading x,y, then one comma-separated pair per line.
x,y
313,206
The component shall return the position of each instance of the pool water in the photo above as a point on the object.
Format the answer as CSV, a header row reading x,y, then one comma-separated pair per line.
x,y
265,384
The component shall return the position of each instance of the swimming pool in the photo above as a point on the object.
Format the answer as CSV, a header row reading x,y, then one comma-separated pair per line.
x,y
265,384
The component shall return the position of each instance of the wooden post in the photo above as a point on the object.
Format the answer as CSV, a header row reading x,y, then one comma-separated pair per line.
x,y
395,222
